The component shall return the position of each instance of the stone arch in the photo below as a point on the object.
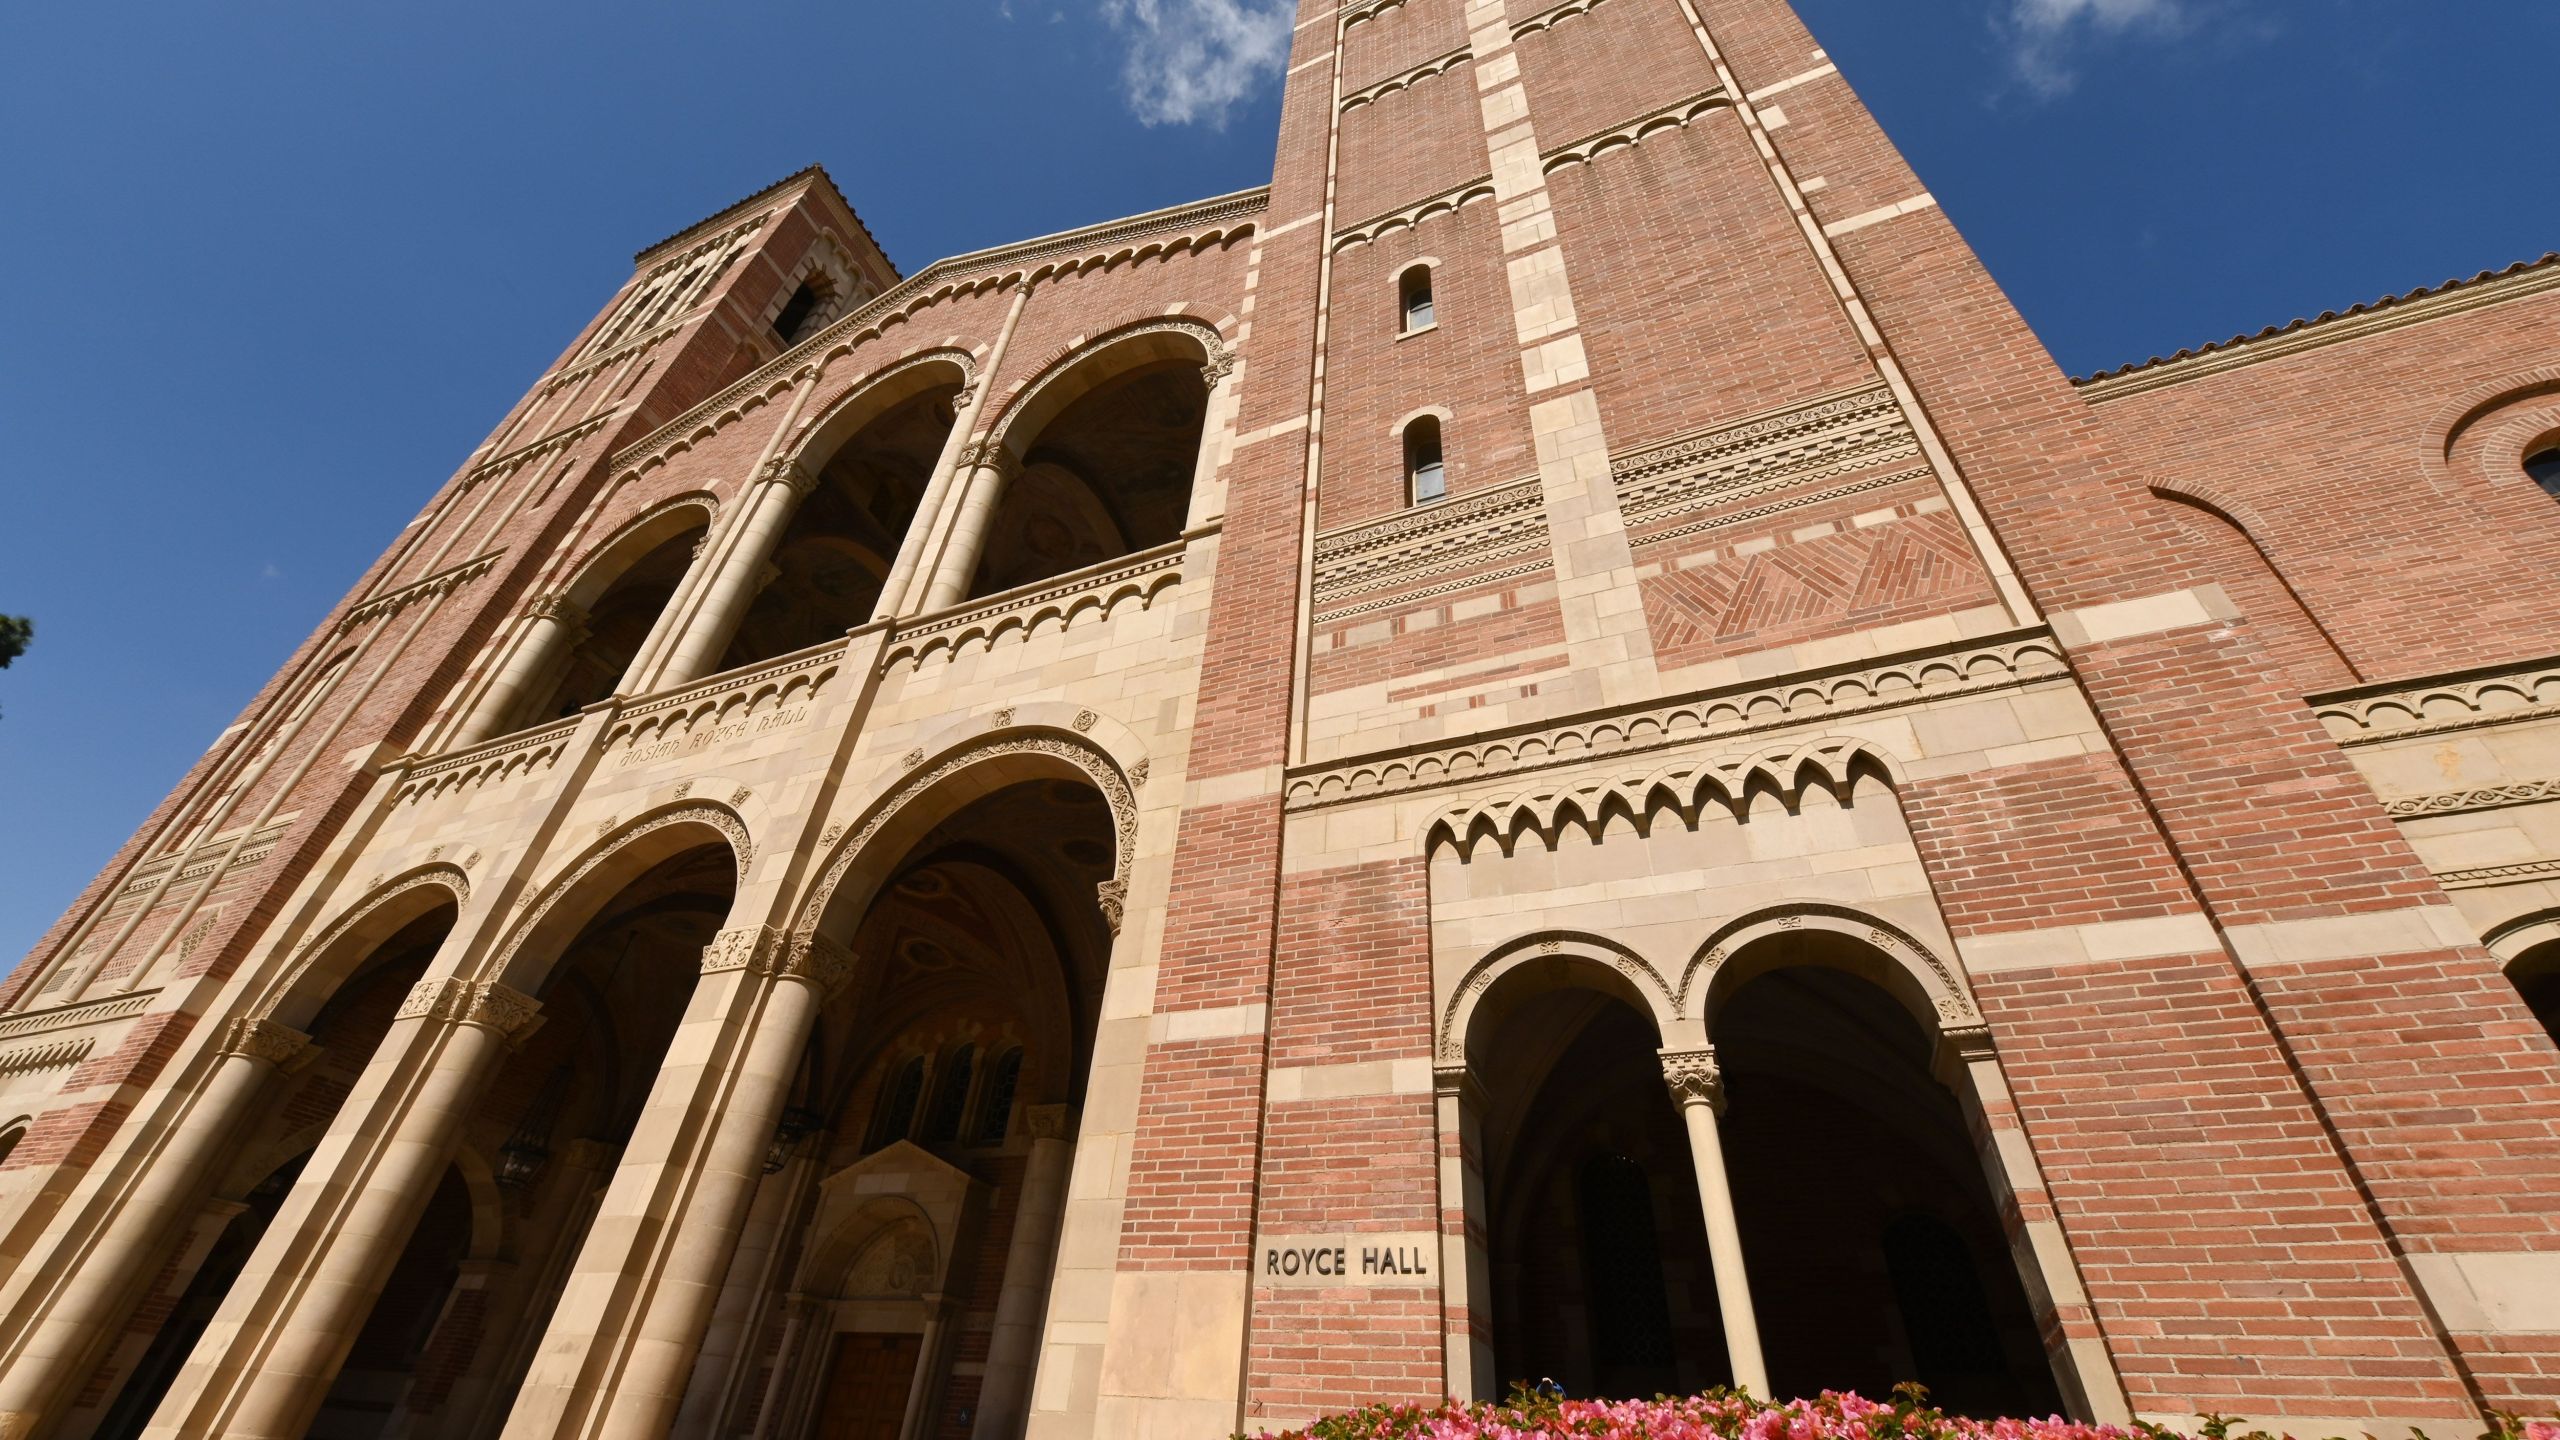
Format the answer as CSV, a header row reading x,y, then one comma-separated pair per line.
x,y
862,859
1882,953
2509,939
1086,366
2261,584
323,963
2457,420
605,561
836,1258
874,395
599,872
1549,960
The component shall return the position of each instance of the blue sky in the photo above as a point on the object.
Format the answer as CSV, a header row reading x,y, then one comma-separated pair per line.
x,y
272,270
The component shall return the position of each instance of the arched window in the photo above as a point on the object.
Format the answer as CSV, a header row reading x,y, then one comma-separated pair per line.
x,y
1413,298
995,1107
951,1098
10,1137
896,1116
2536,974
2544,466
1426,479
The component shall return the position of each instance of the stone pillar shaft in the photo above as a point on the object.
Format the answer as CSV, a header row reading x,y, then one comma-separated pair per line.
x,y
1699,1088
989,469
732,588
62,1335
895,592
273,1350
1004,1397
623,1340
554,626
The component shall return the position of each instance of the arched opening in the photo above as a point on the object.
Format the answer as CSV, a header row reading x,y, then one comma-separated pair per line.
x,y
946,1074
1426,478
1595,1242
1413,299
381,1376
2536,974
2543,468
345,1032
616,624
832,560
1905,1274
9,1138
1108,474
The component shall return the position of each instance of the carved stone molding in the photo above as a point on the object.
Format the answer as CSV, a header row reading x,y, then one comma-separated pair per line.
x,y
1693,1077
1796,445
1392,560
1685,787
2483,876
441,583
52,1055
2506,696
1113,897
508,757
271,1041
1046,1122
1629,132
1064,603
510,1014
1918,678
820,961
1417,74
988,454
309,952
2487,797
1407,216
789,473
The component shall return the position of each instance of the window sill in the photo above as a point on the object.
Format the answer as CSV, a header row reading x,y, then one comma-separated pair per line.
x,y
1417,330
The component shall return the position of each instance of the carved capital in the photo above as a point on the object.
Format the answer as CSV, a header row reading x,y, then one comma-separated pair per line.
x,y
746,947
1450,1079
1220,366
1693,1077
799,479
1113,896
271,1041
557,608
987,455
961,397
1045,1122
509,1014
823,963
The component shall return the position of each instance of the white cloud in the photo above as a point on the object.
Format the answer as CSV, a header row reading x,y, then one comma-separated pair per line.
x,y
1191,61
2044,33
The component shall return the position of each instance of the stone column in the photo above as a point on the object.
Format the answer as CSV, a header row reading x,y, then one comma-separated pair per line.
x,y
1030,1260
61,1335
768,508
1699,1088
801,1314
990,468
274,1348
556,625
1466,1269
937,1322
622,1341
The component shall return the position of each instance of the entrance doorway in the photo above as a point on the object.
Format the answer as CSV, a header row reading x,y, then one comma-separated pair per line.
x,y
867,1385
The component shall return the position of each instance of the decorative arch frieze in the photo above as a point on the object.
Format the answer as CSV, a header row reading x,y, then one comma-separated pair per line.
x,y
1684,787
925,776
570,881
1457,1014
582,573
1949,1006
1633,132
449,878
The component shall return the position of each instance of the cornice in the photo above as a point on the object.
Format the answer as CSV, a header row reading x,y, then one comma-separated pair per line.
x,y
2463,700
2392,312
556,440
2487,875
1919,677
1214,211
393,602
1416,75
1453,198
2478,797
76,1014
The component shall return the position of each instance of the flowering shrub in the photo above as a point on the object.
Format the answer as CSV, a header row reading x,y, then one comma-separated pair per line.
x,y
1728,1415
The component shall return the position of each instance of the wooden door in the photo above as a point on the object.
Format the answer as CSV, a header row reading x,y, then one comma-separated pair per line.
x,y
867,1384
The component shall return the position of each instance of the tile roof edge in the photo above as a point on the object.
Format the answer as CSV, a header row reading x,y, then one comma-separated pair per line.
x,y
2325,327
806,172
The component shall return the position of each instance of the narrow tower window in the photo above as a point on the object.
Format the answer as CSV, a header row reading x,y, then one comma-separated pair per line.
x,y
951,1101
995,1108
1425,478
1413,298
897,1113
2544,466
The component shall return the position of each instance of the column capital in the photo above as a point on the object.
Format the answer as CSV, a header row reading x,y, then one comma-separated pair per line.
x,y
751,948
988,454
270,1041
558,608
789,473
1693,1076
1047,1122
818,960
509,1014
1220,366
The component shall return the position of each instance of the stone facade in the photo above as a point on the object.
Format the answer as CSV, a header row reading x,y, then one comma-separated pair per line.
x,y
977,855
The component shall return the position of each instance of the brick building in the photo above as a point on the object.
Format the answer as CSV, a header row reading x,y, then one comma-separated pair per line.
x,y
1550,748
